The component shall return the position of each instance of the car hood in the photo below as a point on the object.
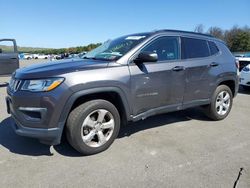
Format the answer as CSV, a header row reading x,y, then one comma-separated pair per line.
x,y
54,68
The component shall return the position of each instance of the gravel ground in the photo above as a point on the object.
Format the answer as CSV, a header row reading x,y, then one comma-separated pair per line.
x,y
180,149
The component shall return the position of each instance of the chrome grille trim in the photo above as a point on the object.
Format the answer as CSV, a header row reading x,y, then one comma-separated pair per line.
x,y
14,84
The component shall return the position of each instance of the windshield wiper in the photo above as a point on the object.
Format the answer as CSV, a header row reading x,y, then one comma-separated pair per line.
x,y
96,58
85,57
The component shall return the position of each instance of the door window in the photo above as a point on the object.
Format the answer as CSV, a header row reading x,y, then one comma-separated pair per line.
x,y
165,47
6,47
193,48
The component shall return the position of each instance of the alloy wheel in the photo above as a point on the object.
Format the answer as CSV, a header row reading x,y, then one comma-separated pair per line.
x,y
97,128
223,102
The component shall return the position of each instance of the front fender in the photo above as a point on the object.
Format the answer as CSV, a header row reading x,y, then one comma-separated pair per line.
x,y
68,105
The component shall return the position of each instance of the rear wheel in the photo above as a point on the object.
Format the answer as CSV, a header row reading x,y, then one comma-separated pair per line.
x,y
221,103
93,126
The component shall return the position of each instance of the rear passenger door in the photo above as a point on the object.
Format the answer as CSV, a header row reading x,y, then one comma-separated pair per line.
x,y
9,61
201,68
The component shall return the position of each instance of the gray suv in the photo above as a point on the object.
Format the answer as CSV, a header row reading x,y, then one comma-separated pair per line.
x,y
126,79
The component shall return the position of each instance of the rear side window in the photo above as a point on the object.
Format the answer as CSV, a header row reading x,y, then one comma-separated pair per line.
x,y
193,48
213,48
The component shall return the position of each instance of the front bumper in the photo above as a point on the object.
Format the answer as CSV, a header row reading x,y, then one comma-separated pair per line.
x,y
50,136
36,115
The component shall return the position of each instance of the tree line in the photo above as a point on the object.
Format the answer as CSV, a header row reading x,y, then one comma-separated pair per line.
x,y
71,50
236,38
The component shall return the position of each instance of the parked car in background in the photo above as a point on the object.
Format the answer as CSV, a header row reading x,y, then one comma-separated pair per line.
x,y
27,56
9,59
35,56
42,56
72,56
244,60
126,79
81,54
58,56
245,77
239,55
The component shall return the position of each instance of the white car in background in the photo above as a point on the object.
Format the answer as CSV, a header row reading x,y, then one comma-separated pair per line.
x,y
27,56
245,77
42,56
244,60
35,56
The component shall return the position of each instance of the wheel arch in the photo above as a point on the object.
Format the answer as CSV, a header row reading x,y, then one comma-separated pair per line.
x,y
231,82
112,94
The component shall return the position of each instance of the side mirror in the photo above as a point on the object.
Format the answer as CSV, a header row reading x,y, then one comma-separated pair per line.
x,y
1,51
146,57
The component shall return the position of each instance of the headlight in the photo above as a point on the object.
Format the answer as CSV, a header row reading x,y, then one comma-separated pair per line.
x,y
41,85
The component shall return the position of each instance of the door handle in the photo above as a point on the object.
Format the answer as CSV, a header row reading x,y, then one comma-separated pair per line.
x,y
214,64
13,58
178,68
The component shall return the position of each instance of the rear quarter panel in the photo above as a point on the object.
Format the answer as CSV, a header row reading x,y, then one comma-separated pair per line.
x,y
229,71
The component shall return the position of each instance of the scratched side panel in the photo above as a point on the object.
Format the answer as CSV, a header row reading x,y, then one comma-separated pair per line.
x,y
155,84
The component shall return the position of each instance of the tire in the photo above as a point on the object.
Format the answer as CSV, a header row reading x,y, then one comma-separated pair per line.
x,y
85,127
221,103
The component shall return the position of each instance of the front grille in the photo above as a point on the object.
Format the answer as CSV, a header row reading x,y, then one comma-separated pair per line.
x,y
14,84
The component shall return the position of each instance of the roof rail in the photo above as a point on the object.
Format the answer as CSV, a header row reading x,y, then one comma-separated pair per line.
x,y
187,32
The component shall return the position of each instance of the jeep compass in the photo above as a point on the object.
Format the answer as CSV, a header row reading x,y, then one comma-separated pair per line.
x,y
126,79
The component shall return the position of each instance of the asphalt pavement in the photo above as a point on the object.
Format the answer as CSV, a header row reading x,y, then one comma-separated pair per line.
x,y
180,149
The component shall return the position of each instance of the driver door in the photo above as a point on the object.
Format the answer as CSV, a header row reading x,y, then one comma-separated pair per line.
x,y
9,61
159,85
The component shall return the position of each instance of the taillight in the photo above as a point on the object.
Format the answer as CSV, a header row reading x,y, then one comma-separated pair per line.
x,y
237,63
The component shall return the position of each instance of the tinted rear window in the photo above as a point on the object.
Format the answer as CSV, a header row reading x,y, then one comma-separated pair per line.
x,y
193,48
213,48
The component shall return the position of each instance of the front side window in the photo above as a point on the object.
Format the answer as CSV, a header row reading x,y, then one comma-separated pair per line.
x,y
193,48
115,49
166,48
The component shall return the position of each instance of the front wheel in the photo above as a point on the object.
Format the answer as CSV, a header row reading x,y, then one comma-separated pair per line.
x,y
93,126
221,103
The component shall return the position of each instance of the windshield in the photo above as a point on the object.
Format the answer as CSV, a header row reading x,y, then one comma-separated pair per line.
x,y
115,49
